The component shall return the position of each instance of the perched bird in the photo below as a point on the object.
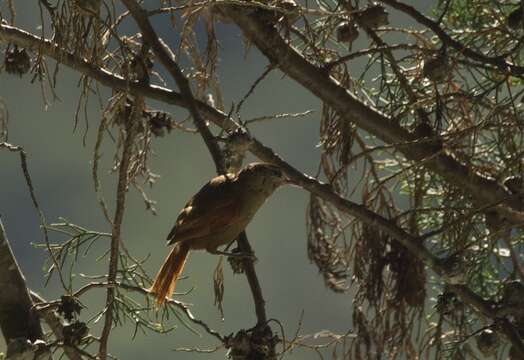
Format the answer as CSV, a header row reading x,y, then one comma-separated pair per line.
x,y
215,216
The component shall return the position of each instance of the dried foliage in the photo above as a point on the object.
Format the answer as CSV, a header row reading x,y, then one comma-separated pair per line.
x,y
467,107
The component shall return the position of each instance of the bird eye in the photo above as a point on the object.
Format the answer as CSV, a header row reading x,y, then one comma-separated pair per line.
x,y
276,172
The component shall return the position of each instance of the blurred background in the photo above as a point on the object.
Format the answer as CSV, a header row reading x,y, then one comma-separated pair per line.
x,y
60,166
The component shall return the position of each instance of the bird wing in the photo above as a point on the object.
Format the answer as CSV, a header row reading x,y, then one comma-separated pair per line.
x,y
216,205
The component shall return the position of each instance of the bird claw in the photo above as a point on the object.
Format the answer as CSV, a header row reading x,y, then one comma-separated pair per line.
x,y
234,254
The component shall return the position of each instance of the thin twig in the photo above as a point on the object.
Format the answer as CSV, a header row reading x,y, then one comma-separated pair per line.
x,y
131,128
44,306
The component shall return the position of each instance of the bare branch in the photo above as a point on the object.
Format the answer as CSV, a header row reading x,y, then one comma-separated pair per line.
x,y
123,182
17,318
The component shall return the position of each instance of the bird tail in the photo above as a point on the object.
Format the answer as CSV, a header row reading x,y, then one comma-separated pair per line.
x,y
165,280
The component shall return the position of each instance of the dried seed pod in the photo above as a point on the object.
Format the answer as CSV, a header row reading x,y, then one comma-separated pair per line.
x,y
347,32
17,61
487,342
436,68
238,263
159,122
252,344
239,345
291,8
514,20
69,307
372,17
88,7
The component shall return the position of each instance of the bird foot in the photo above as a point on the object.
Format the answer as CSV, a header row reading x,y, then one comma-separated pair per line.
x,y
234,254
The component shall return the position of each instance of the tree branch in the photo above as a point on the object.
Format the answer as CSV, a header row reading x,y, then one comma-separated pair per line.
x,y
17,318
252,279
280,53
123,177
498,61
46,307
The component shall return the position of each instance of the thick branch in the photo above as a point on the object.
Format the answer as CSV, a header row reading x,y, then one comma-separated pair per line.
x,y
498,61
485,308
17,318
268,40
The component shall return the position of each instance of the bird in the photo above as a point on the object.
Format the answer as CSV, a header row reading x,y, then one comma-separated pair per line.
x,y
215,216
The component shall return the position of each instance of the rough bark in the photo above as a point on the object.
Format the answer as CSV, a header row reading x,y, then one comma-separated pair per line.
x,y
17,318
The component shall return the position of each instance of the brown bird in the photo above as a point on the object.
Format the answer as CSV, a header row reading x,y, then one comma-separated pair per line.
x,y
215,216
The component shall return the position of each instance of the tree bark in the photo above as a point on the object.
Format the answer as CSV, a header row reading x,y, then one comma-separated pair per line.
x,y
17,317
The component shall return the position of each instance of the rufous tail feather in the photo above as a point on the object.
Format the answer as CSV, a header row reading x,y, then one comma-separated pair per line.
x,y
165,280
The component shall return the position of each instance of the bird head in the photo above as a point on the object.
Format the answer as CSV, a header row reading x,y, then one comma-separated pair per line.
x,y
264,176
